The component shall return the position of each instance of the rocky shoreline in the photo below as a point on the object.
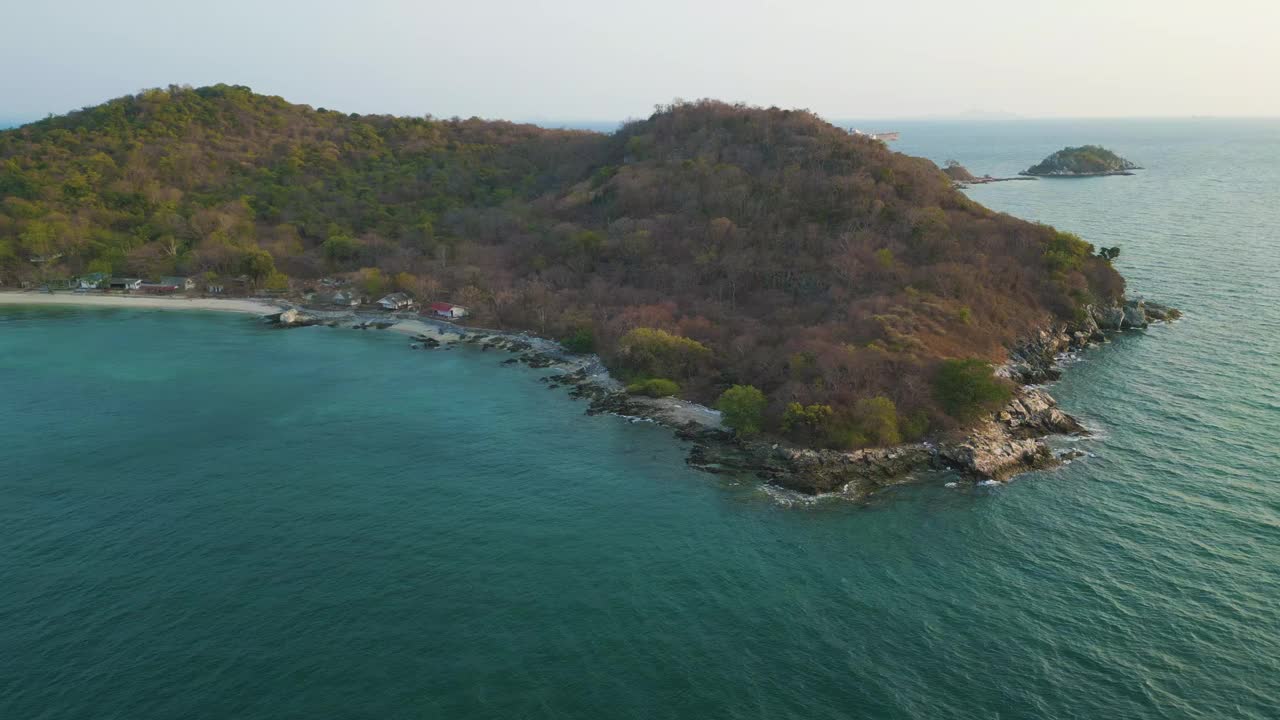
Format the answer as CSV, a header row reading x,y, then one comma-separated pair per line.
x,y
1008,442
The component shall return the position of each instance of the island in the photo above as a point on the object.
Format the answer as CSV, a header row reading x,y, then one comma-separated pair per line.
x,y
1083,161
848,314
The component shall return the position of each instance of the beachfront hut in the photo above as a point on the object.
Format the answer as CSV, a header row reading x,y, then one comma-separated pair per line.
x,y
448,310
182,283
396,301
124,283
342,298
158,288
91,281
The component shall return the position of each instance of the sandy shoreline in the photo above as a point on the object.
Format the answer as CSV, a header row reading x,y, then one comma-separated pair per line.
x,y
669,410
236,305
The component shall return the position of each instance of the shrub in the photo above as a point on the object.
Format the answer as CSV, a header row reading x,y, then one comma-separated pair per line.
x,y
743,408
277,281
1066,252
914,426
877,421
405,282
654,387
870,422
340,247
806,421
583,340
371,282
966,388
884,257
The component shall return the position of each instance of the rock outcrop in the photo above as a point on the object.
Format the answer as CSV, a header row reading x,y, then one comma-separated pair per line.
x,y
1011,441
1005,444
1131,315
293,318
854,474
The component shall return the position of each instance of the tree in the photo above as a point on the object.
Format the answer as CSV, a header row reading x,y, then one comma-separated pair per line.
x,y
806,421
1066,251
651,352
1109,253
257,263
371,282
583,340
277,281
340,248
743,409
654,387
877,420
405,282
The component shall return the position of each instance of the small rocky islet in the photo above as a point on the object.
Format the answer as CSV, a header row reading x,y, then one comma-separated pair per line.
x,y
1082,161
1069,162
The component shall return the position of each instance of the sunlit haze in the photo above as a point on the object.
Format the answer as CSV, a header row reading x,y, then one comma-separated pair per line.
x,y
579,60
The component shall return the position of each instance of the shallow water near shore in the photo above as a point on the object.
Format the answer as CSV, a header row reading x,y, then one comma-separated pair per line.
x,y
204,518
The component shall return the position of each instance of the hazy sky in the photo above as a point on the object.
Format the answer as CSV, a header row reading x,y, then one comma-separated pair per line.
x,y
579,60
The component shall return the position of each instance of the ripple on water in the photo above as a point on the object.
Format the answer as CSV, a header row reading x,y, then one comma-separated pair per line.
x,y
322,524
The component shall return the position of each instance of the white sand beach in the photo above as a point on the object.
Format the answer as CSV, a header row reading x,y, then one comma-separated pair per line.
x,y
237,305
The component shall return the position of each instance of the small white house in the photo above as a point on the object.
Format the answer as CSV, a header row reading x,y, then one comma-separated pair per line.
x,y
448,310
396,301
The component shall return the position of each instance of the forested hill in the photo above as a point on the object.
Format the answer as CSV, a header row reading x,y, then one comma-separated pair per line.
x,y
710,245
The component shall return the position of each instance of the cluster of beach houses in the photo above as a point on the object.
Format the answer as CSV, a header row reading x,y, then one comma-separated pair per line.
x,y
338,292
101,281
340,297
401,301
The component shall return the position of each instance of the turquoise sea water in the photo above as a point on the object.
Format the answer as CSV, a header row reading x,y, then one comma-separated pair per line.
x,y
202,518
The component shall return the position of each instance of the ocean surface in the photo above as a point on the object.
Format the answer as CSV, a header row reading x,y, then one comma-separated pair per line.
x,y
203,518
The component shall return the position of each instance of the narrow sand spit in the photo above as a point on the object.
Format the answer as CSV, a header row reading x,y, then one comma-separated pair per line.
x,y
237,305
